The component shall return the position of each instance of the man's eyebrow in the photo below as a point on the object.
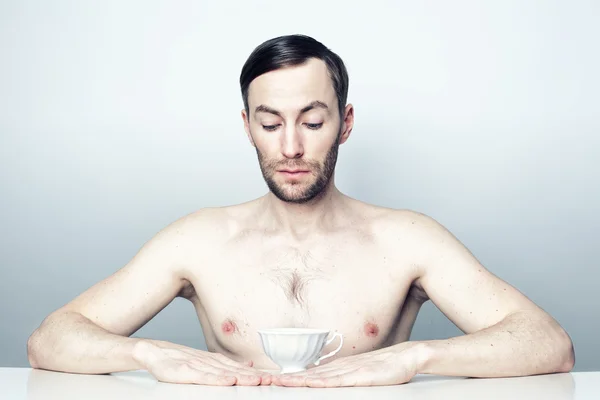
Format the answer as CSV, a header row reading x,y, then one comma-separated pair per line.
x,y
266,109
312,105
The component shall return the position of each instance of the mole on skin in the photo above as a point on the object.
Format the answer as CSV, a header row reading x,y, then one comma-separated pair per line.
x,y
371,329
228,327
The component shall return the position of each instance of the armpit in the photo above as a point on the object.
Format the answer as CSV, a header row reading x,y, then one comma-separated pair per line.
x,y
187,291
417,293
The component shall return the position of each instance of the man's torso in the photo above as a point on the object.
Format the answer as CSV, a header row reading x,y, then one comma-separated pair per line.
x,y
354,279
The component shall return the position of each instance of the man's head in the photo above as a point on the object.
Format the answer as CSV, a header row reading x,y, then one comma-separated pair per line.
x,y
295,114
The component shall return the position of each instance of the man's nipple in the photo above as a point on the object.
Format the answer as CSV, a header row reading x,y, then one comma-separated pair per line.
x,y
228,327
371,329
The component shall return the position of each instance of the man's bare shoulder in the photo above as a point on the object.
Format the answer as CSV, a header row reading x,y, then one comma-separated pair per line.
x,y
406,230
212,225
393,221
413,240
190,241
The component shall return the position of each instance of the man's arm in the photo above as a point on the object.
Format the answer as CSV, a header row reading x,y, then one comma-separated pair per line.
x,y
506,334
90,333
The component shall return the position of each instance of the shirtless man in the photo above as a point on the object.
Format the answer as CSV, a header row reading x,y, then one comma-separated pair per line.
x,y
303,255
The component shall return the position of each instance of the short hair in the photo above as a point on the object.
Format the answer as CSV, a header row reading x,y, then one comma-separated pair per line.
x,y
291,50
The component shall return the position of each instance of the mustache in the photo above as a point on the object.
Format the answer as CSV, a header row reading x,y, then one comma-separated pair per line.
x,y
293,164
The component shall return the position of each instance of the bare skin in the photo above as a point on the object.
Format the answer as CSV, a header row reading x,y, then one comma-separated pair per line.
x,y
340,277
291,260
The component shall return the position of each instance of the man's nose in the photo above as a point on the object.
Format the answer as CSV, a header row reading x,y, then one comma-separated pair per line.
x,y
291,143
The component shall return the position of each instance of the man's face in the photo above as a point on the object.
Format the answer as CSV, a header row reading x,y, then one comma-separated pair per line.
x,y
294,123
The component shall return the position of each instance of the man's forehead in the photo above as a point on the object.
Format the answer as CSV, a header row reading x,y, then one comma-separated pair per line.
x,y
293,87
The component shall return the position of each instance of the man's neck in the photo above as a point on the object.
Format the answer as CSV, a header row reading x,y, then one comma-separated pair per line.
x,y
300,221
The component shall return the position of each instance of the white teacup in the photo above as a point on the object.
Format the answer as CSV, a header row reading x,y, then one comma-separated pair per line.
x,y
294,349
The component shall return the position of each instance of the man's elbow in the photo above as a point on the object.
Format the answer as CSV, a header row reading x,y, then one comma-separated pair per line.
x,y
33,347
565,352
569,357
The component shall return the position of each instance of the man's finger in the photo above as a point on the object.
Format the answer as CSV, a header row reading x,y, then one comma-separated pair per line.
x,y
304,379
190,375
242,378
224,362
248,380
265,376
322,369
348,379
261,377
358,377
289,380
238,369
330,373
228,361
327,368
216,367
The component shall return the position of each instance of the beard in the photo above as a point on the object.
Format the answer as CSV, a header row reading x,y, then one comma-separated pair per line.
x,y
300,192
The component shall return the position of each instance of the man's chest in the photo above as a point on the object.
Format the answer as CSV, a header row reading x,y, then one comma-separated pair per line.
x,y
355,290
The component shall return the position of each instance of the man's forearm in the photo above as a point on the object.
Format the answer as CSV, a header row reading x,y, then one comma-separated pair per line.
x,y
522,344
70,342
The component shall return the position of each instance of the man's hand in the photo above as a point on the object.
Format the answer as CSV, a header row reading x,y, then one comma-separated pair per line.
x,y
172,363
390,366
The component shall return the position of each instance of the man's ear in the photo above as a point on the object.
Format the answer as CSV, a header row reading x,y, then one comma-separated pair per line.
x,y
347,123
247,127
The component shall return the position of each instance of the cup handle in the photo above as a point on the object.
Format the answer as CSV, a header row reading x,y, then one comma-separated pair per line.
x,y
334,351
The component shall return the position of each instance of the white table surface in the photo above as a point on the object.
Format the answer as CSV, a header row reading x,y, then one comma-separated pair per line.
x,y
26,383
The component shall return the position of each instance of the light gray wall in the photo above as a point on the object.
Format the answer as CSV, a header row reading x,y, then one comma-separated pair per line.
x,y
117,118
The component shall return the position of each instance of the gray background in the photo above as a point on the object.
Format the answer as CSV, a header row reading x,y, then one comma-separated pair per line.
x,y
119,117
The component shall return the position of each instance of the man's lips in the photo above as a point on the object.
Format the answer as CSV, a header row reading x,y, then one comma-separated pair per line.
x,y
293,173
